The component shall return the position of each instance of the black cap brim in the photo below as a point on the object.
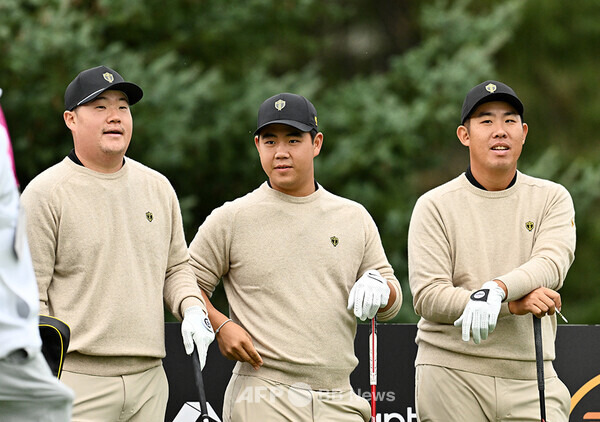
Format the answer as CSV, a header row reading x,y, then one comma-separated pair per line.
x,y
133,92
507,98
300,126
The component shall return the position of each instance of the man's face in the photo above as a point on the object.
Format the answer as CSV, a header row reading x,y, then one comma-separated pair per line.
x,y
495,136
286,155
102,128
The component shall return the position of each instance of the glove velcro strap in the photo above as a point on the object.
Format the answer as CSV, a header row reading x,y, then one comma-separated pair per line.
x,y
480,295
374,277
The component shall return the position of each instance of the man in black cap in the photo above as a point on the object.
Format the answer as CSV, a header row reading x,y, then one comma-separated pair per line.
x,y
485,251
299,265
108,249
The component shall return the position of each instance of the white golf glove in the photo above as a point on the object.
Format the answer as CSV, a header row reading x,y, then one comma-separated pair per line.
x,y
196,328
369,293
481,313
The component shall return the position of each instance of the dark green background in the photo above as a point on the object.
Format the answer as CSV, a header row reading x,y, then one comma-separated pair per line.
x,y
387,78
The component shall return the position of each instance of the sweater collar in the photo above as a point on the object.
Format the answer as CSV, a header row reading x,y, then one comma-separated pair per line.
x,y
475,183
319,191
316,185
76,159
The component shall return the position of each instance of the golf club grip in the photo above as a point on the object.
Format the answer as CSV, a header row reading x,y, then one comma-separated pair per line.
x,y
200,385
373,366
539,362
539,353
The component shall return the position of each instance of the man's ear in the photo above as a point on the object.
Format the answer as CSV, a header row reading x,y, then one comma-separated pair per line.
x,y
463,135
525,130
256,141
69,117
317,144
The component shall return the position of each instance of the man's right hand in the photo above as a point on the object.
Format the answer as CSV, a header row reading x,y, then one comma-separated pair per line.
x,y
236,344
539,302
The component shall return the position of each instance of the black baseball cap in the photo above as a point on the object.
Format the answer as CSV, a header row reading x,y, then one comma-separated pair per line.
x,y
92,82
486,92
288,109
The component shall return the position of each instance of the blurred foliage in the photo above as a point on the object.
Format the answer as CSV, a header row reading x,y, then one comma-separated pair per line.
x,y
387,77
552,58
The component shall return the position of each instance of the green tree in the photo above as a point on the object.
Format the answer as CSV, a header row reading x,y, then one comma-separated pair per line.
x,y
388,78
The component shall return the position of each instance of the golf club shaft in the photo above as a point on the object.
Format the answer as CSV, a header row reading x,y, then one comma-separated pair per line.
x,y
200,385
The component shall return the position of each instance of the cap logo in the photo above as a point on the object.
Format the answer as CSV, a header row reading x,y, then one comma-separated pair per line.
x,y
316,123
279,105
491,88
108,77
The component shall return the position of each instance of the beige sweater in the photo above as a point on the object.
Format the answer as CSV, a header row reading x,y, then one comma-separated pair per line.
x,y
460,237
106,249
288,264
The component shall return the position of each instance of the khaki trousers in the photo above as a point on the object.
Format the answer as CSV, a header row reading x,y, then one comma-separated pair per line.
x,y
443,394
137,397
253,399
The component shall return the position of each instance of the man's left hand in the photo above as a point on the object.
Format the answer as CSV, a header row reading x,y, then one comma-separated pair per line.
x,y
481,313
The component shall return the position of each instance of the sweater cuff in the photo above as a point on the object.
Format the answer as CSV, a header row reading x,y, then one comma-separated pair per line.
x,y
191,301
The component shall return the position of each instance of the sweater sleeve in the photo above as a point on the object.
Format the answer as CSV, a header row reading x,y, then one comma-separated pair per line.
x,y
430,267
42,229
375,258
209,250
553,251
179,278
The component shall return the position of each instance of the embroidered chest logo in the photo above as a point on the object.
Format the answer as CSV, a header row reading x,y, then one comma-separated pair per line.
x,y
334,241
529,225
149,216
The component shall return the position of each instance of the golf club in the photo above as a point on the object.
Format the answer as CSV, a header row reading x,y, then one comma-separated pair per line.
x,y
539,362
